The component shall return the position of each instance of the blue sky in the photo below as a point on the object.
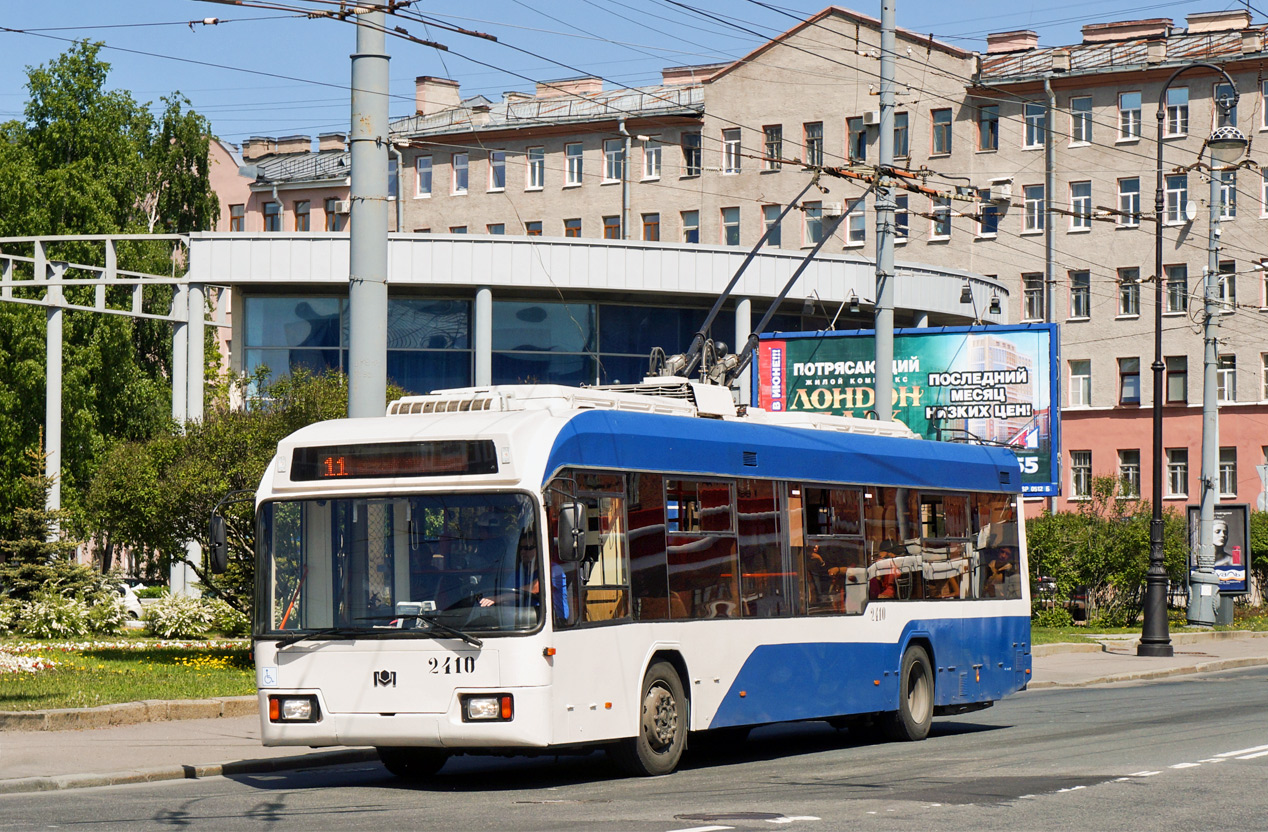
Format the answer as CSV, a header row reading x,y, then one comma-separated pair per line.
x,y
264,72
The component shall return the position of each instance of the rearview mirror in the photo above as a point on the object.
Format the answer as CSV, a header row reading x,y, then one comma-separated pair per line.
x,y
572,529
218,554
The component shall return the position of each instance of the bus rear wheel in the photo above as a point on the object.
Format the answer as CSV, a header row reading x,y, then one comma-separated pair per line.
x,y
914,716
662,731
412,764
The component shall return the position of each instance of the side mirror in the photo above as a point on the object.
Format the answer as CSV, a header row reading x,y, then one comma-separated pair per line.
x,y
219,551
572,530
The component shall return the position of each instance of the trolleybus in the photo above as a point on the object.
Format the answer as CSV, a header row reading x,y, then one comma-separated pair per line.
x,y
540,569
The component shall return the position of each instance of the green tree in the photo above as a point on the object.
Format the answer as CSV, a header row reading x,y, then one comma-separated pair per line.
x,y
89,160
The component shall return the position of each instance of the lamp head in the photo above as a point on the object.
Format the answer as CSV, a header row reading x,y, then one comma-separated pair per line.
x,y
966,293
1227,145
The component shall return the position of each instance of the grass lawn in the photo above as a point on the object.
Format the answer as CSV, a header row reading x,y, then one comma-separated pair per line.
x,y
1250,619
85,674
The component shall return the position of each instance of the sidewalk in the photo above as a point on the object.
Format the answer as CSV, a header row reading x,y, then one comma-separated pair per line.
x,y
49,760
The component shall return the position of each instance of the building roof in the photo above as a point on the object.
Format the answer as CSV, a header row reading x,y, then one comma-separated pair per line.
x,y
329,164
639,102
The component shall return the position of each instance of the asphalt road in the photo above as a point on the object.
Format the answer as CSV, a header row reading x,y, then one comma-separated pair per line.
x,y
1184,754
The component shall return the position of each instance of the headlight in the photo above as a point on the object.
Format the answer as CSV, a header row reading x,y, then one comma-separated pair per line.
x,y
293,709
494,707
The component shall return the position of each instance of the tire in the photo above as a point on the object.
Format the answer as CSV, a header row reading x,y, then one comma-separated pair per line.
x,y
662,728
914,716
413,764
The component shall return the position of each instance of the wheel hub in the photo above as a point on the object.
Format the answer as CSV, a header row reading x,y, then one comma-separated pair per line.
x,y
660,718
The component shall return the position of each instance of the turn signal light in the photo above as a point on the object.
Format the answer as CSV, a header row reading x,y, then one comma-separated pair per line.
x,y
490,707
284,708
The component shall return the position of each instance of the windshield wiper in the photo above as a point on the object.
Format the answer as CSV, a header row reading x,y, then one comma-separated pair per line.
x,y
453,631
325,631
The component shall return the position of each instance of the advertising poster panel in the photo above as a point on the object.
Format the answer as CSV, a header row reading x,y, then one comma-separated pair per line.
x,y
1230,534
994,384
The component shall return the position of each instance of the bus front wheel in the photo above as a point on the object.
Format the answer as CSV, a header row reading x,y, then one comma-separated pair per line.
x,y
915,697
412,764
662,729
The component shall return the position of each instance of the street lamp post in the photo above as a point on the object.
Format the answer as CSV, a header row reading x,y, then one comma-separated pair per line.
x,y
1154,638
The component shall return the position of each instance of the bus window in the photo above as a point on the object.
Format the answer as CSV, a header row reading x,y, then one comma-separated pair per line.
x,y
945,549
767,588
701,551
604,572
999,562
835,561
892,532
649,581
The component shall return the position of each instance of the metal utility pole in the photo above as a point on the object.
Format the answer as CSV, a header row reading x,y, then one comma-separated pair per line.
x,y
885,206
367,255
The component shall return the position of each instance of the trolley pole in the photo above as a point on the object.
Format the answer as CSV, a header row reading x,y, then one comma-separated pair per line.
x,y
367,237
885,206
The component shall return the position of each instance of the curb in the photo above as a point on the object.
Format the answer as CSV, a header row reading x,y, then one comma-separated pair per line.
x,y
188,772
128,713
1162,673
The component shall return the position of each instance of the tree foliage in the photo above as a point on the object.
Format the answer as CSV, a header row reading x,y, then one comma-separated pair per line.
x,y
1102,548
89,160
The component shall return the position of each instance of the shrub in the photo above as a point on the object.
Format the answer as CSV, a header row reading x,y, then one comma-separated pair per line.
x,y
106,614
226,620
9,613
1053,617
49,615
151,592
176,616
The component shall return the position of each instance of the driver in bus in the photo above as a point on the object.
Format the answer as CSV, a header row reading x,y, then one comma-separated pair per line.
x,y
525,589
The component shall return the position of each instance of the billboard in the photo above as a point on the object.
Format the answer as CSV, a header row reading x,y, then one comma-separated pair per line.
x,y
1230,536
996,384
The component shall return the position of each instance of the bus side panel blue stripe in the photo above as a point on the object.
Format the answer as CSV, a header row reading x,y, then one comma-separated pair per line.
x,y
785,682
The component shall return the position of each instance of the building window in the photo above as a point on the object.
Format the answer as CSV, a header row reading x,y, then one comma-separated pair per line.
x,y
988,220
1080,294
613,160
856,140
272,216
651,227
1177,197
1036,122
1080,474
1128,116
988,127
901,219
1226,379
691,154
457,229
1228,194
1032,221
731,226
1177,121
814,142
533,228
612,228
1225,115
1129,292
495,228
302,219
1129,472
1226,286
731,151
651,159
422,176
691,226
1129,381
1228,472
813,231
536,179
459,173
856,225
1080,206
1177,288
1032,295
1263,388
940,227
1081,383
1081,120
941,132
573,164
497,170
1177,472
238,217
901,144
1177,379
332,215
1129,202
771,225
773,139
572,227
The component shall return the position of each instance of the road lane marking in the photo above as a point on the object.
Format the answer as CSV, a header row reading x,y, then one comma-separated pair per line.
x,y
1253,756
790,819
1243,751
1144,774
1186,765
702,829
1214,760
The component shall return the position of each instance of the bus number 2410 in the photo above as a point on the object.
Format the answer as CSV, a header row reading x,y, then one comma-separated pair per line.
x,y
451,665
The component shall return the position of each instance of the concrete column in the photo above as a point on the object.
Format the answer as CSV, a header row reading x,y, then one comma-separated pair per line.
x,y
52,381
744,326
196,335
482,332
180,355
922,320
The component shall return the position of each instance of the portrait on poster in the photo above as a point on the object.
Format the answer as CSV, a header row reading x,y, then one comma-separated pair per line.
x,y
1230,532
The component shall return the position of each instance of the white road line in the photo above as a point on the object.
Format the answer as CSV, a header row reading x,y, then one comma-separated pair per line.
x,y
1213,760
792,818
1253,756
1121,779
1144,774
1071,789
1186,765
1243,751
702,829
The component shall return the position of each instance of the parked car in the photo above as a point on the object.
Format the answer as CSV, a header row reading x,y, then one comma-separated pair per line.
x,y
131,603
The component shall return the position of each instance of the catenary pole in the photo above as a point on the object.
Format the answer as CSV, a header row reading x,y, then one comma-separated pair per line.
x,y
885,223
